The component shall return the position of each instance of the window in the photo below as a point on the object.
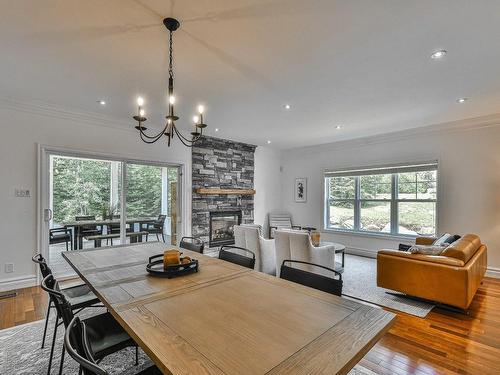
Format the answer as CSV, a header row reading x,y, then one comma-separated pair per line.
x,y
398,200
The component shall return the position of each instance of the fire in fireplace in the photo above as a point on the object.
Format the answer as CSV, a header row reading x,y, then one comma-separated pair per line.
x,y
222,227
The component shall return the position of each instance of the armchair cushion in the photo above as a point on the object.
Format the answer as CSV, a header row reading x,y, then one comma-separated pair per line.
x,y
463,248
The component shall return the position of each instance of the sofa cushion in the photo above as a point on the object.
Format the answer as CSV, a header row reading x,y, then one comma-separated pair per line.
x,y
464,248
448,261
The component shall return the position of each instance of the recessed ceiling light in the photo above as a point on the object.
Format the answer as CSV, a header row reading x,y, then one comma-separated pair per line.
x,y
101,102
461,100
216,129
338,127
438,54
287,106
268,142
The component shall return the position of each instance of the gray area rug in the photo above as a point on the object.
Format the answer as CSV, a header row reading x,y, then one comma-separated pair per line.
x,y
20,354
360,282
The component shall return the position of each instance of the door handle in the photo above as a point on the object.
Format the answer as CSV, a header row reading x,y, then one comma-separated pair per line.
x,y
48,215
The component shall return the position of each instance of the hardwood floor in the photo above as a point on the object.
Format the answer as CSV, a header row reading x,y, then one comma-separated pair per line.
x,y
443,343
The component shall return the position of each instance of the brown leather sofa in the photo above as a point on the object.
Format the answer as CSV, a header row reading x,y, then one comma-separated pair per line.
x,y
451,278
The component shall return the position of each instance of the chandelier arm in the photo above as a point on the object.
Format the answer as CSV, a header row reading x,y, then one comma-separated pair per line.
x,y
184,139
150,141
143,133
186,143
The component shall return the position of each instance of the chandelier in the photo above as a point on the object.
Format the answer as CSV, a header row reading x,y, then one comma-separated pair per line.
x,y
170,130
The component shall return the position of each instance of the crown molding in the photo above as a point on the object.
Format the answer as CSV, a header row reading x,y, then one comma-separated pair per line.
x,y
469,124
50,110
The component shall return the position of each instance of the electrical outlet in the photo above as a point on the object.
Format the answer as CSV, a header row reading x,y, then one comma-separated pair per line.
x,y
9,267
22,193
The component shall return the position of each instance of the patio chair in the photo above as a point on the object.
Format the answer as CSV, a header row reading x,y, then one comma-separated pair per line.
x,y
61,235
87,230
155,228
280,221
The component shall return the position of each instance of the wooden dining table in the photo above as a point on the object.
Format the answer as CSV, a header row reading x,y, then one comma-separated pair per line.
x,y
226,319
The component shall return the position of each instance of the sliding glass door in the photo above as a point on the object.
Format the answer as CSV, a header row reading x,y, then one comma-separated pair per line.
x,y
95,202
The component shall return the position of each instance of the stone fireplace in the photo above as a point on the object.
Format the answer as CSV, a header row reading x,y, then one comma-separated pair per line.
x,y
221,164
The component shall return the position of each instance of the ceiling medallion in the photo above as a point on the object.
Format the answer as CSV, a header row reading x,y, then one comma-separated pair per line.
x,y
170,129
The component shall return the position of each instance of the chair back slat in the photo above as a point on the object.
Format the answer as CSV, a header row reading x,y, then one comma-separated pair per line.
x,y
312,280
228,254
192,243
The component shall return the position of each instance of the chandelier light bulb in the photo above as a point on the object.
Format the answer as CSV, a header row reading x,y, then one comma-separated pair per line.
x,y
196,119
140,101
201,109
171,99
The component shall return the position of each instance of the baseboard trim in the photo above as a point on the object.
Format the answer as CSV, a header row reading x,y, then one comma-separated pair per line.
x,y
361,252
17,283
493,272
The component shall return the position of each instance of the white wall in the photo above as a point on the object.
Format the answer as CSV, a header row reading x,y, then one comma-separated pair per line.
x,y
23,127
267,183
469,179
20,133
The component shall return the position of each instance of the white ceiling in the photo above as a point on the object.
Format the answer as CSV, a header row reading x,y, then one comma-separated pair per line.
x,y
363,64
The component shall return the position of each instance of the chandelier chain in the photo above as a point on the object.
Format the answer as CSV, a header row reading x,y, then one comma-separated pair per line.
x,y
170,57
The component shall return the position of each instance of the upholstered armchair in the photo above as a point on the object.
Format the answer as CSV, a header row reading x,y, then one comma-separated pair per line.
x,y
250,237
297,245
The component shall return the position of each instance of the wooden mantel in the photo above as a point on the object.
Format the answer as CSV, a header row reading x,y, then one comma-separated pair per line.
x,y
218,191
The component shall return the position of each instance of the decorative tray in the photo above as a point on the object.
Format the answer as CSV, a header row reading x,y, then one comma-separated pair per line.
x,y
155,267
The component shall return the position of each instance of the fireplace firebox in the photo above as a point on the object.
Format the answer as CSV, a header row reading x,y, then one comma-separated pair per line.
x,y
222,227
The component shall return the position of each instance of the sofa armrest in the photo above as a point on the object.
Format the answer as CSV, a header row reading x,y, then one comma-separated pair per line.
x,y
426,241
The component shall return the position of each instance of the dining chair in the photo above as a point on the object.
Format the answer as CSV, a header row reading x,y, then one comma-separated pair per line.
x,y
234,255
106,336
80,296
250,237
193,244
310,279
298,246
156,227
77,344
60,235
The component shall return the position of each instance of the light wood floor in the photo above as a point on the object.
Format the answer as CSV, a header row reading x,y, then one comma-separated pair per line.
x,y
442,343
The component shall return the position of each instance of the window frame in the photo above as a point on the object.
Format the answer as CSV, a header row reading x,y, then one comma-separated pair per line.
x,y
394,200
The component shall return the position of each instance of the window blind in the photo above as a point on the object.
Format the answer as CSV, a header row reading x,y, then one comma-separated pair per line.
x,y
395,168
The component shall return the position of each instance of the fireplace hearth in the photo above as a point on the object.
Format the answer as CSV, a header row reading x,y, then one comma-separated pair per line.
x,y
222,227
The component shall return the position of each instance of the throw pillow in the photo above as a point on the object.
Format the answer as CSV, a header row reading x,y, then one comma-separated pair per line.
x,y
426,250
442,240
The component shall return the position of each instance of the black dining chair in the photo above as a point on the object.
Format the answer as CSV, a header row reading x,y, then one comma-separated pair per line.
x,y
193,244
106,336
312,280
80,296
77,344
155,227
61,235
230,254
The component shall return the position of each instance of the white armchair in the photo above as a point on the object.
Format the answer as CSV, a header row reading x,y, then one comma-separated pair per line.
x,y
250,237
297,245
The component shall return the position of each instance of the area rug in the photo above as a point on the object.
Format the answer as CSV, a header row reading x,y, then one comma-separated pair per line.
x,y
360,282
20,354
